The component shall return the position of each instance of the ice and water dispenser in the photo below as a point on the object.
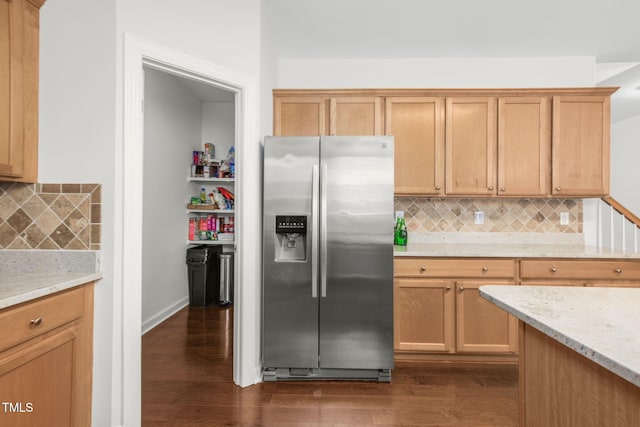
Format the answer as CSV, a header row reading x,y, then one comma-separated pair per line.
x,y
291,237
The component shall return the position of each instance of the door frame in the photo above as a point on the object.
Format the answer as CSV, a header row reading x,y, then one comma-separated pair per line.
x,y
138,54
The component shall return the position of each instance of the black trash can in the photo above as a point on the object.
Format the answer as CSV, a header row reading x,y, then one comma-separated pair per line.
x,y
203,270
226,278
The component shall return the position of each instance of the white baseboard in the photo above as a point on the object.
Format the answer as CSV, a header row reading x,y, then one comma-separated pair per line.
x,y
160,317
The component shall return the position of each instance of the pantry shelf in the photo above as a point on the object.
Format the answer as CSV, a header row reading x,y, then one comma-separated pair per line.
x,y
201,179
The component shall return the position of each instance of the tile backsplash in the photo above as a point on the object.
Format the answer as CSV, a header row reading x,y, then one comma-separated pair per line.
x,y
50,216
426,215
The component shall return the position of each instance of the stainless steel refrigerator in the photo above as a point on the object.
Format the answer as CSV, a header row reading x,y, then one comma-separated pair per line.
x,y
328,258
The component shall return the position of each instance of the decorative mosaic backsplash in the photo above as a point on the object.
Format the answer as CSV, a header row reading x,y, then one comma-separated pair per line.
x,y
424,215
50,216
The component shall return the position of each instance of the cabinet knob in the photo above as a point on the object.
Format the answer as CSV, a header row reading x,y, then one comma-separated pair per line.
x,y
423,268
558,188
618,270
503,189
554,269
36,322
447,288
490,188
485,269
461,288
438,187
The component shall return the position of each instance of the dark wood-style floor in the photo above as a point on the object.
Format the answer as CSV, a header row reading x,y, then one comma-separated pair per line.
x,y
187,381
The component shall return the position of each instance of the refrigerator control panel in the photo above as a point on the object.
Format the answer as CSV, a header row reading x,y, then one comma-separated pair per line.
x,y
291,224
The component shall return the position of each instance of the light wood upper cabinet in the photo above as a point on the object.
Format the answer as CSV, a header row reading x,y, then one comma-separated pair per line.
x,y
323,115
417,125
300,116
471,125
524,140
470,142
580,145
355,116
19,41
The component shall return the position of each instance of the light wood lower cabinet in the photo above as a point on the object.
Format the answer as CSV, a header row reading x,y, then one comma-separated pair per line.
x,y
481,327
447,314
46,360
582,272
424,315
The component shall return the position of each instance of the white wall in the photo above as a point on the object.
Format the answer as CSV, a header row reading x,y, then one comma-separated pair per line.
x,y
218,126
625,152
436,72
172,122
81,108
76,144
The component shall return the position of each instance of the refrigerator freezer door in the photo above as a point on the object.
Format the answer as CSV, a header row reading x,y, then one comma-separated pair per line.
x,y
290,301
356,307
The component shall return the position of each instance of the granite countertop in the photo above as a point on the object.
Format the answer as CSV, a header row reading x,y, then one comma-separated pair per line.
x,y
601,324
30,274
509,250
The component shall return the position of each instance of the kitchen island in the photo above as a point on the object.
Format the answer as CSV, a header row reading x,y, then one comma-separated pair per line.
x,y
579,354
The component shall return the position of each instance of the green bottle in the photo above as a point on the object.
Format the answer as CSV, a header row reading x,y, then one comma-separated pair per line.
x,y
400,232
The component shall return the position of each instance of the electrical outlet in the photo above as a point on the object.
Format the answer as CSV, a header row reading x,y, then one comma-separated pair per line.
x,y
478,217
564,218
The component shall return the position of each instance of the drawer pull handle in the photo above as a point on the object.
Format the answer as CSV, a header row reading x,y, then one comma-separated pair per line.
x,y
36,322
485,269
618,270
423,268
553,269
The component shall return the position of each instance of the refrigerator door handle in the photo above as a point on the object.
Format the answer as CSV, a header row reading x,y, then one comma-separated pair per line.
x,y
314,230
323,231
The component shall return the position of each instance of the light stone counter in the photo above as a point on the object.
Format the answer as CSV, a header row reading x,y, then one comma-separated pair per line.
x,y
602,324
30,274
508,250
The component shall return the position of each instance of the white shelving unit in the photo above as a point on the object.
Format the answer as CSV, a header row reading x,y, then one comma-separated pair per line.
x,y
226,212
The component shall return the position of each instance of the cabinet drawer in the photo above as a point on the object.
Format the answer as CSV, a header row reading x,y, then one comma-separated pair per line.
x,y
20,323
438,267
580,269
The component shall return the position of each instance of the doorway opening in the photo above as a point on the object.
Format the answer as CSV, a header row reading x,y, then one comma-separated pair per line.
x,y
140,56
181,115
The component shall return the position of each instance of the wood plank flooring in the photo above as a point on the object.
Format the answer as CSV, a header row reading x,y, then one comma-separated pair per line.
x,y
187,381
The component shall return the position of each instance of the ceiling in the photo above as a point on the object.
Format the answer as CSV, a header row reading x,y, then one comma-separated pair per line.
x,y
206,92
607,30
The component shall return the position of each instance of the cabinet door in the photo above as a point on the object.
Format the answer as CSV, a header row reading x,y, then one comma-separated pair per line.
x,y
471,146
417,125
11,85
300,116
353,115
580,145
482,327
523,146
423,315
39,377
19,45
